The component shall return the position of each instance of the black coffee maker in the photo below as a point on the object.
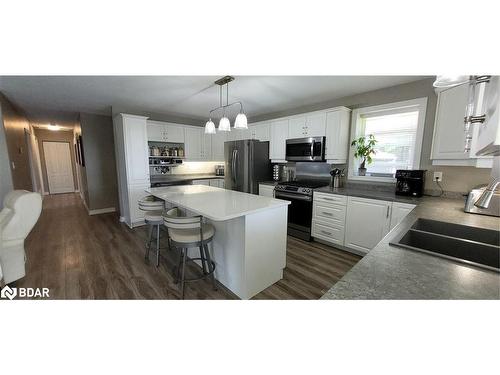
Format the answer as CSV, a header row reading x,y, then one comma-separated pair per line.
x,y
410,182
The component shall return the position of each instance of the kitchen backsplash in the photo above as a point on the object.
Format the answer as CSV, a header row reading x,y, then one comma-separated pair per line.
x,y
195,167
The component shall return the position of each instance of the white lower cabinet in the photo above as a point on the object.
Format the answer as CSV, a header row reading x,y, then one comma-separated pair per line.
x,y
201,182
266,190
355,223
329,211
135,193
399,211
367,222
217,182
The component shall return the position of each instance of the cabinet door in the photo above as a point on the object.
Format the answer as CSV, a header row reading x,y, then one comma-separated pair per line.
x,y
449,135
337,136
136,192
206,146
201,182
279,135
218,140
173,133
266,190
155,132
193,143
136,150
315,125
261,132
367,222
297,127
399,211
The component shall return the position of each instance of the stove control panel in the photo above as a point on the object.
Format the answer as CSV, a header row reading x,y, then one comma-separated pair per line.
x,y
294,189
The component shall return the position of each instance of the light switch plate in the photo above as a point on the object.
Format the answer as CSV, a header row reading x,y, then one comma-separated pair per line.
x,y
438,176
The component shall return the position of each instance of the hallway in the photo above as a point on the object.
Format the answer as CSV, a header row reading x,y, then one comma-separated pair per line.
x,y
79,256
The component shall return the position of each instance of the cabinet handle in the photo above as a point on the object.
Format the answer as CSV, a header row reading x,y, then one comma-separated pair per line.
x,y
387,215
327,233
327,213
328,199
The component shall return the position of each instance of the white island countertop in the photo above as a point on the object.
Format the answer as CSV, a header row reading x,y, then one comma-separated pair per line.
x,y
215,203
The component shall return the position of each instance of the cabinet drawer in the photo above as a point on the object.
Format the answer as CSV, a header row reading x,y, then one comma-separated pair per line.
x,y
330,198
330,212
330,233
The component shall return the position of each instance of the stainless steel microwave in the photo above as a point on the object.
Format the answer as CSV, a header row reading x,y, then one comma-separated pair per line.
x,y
305,149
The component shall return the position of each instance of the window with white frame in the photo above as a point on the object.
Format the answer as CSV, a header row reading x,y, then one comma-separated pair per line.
x,y
398,129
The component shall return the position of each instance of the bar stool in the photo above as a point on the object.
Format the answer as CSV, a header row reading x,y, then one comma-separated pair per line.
x,y
187,232
153,216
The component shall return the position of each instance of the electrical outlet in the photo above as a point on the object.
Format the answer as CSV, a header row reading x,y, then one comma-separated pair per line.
x,y
438,176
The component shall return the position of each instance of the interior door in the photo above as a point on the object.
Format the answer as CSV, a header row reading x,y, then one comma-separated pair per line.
x,y
58,166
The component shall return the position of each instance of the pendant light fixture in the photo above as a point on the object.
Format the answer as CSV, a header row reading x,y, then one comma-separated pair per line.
x,y
241,121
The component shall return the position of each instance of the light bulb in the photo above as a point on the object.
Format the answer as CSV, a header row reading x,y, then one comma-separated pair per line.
x,y
210,127
241,121
224,124
53,127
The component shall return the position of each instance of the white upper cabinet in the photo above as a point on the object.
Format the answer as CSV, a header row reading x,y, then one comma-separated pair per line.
x,y
279,135
136,149
315,124
487,135
367,222
165,132
218,140
193,143
310,125
449,135
297,127
206,146
260,131
337,135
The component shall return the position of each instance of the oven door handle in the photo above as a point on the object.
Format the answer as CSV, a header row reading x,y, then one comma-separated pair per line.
x,y
291,196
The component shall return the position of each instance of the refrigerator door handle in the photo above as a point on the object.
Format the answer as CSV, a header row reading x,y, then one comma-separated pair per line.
x,y
234,164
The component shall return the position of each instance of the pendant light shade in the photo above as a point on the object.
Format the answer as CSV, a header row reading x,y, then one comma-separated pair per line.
x,y
450,80
210,127
224,124
241,121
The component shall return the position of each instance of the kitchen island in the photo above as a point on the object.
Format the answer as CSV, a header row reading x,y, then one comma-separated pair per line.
x,y
249,246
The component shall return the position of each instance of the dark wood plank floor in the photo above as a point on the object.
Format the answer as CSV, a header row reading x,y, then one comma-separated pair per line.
x,y
96,257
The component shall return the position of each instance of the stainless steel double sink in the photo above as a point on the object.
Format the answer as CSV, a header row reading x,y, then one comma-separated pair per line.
x,y
475,246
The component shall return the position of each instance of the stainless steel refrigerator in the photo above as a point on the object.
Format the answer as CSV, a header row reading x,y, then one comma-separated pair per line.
x,y
246,164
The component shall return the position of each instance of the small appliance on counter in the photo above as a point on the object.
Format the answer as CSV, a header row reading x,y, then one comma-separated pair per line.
x,y
410,182
276,172
493,208
219,170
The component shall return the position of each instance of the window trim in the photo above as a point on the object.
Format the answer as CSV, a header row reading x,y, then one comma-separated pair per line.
x,y
419,104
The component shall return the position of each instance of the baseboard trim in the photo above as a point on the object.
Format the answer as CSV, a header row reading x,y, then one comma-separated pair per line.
x,y
102,211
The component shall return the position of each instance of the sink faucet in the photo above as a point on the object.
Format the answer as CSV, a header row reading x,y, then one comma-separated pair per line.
x,y
484,199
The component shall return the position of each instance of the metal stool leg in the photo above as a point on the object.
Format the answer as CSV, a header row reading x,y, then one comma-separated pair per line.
x,y
148,243
203,260
183,272
157,245
211,266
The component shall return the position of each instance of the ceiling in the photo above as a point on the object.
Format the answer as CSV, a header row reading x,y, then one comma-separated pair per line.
x,y
59,99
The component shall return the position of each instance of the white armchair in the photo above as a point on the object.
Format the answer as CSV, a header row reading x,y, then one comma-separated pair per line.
x,y
19,215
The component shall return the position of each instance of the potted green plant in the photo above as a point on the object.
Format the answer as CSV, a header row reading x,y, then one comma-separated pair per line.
x,y
364,151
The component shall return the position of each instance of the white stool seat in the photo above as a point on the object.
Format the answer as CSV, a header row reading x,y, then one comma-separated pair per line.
x,y
191,235
154,216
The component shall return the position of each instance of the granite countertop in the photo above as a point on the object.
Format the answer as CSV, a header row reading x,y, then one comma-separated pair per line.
x,y
389,272
183,177
386,194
